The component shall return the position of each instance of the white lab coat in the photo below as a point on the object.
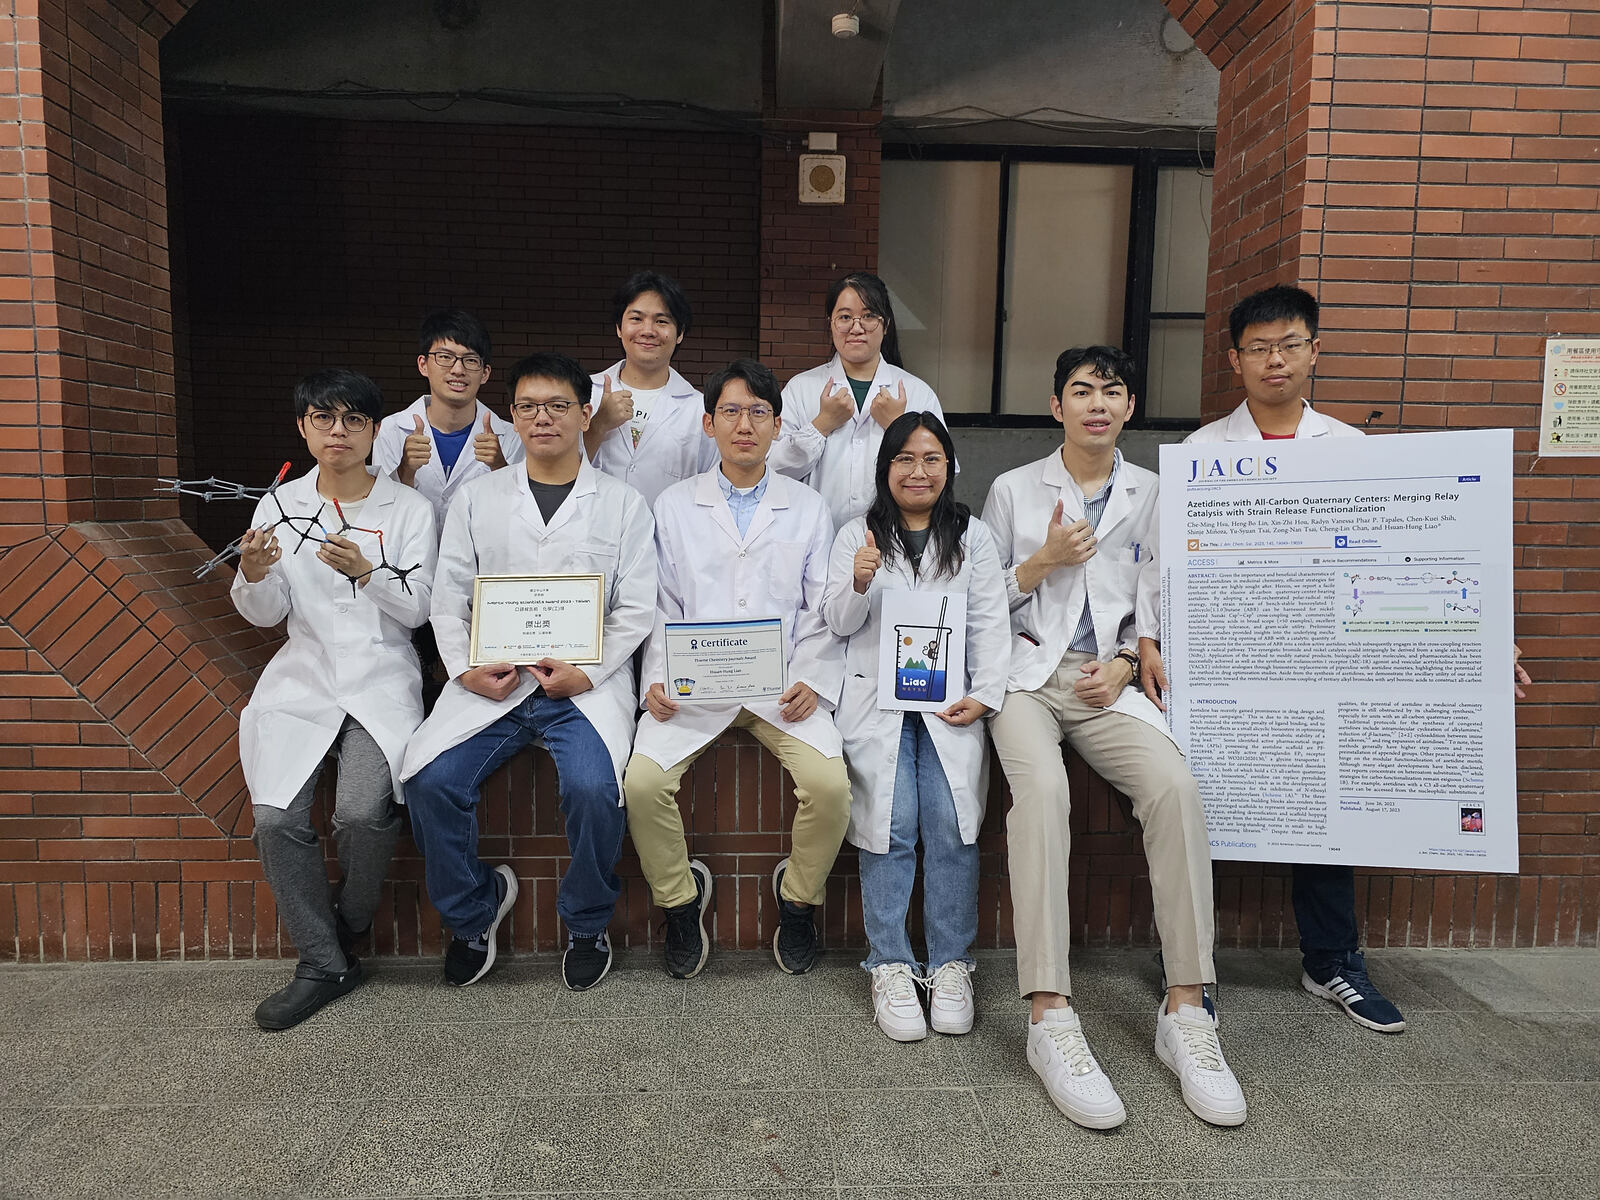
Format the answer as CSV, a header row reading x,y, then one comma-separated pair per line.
x,y
673,446
841,465
1017,513
346,654
872,734
709,573
495,528
389,449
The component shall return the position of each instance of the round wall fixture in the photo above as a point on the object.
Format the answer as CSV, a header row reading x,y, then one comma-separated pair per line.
x,y
846,25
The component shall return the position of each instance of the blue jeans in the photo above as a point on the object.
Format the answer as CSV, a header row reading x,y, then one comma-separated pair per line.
x,y
443,800
1325,910
922,802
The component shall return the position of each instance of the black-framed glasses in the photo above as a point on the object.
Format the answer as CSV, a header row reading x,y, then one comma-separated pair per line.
x,y
323,421
530,408
448,359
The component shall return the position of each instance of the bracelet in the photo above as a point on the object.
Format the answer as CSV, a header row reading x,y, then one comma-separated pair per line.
x,y
1132,659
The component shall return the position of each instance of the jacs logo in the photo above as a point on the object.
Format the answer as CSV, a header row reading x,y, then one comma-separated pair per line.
x,y
1242,466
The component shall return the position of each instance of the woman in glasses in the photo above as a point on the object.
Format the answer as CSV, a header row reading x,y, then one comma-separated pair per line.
x,y
835,414
918,773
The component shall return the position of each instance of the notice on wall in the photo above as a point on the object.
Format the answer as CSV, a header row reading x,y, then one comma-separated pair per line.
x,y
1337,630
1569,419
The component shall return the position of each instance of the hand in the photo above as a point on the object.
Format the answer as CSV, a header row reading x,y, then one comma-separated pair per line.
x,y
964,712
1102,682
258,550
885,408
835,408
345,557
616,407
661,707
798,703
417,453
1152,674
486,446
1069,545
560,679
493,681
868,560
1519,677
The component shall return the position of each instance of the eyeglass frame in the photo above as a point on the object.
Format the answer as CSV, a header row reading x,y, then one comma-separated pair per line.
x,y
758,413
930,463
342,417
439,356
1264,350
870,322
530,408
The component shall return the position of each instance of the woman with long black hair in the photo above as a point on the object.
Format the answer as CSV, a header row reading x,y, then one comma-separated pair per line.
x,y
918,773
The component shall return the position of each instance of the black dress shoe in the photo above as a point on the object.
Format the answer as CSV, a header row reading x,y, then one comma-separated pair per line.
x,y
308,991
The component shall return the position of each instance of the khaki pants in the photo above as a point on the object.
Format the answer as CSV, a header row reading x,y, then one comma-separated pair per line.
x,y
820,785
1141,763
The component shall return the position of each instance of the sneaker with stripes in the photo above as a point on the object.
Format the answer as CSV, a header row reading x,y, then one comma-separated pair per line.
x,y
1346,983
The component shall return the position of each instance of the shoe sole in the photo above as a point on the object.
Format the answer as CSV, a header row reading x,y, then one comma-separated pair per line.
x,y
1322,993
703,872
1197,1105
492,936
954,1030
908,1036
1085,1119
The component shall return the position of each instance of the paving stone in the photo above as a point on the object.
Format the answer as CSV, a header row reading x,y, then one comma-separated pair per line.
x,y
922,1136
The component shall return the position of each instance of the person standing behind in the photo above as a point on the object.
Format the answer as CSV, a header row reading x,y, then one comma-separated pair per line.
x,y
838,411
646,427
914,772
345,685
742,543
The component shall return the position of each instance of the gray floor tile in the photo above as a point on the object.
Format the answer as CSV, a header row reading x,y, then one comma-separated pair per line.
x,y
44,1066
1570,977
404,992
1446,1047
747,983
1262,981
767,1139
1377,1129
1302,1047
744,1052
1086,1191
1124,1043
1468,979
467,1058
852,1052
637,986
922,1136
1115,980
1037,1145
995,1053
840,990
418,1147
1270,1144
24,991
609,1056
619,1143
1522,1129
169,996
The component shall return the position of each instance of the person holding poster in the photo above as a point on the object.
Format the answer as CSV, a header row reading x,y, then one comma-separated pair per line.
x,y
1074,531
552,514
646,427
742,544
345,685
918,771
838,411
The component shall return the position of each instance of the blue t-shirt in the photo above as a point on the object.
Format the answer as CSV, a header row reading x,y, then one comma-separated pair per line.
x,y
450,445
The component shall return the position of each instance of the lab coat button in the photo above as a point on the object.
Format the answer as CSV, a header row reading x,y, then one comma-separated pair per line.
x,y
741,604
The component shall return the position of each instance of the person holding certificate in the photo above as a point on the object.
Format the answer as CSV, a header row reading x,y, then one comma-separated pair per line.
x,y
1073,531
552,515
914,772
744,545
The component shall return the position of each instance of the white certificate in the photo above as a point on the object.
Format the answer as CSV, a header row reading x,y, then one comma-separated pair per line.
x,y
719,662
1337,628
524,618
922,650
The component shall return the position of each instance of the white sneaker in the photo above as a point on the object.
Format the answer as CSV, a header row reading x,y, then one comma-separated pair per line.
x,y
1187,1042
895,1006
1059,1055
950,1007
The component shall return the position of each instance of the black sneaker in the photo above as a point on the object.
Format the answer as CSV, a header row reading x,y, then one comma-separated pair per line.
x,y
307,992
794,943
1347,985
687,946
586,961
469,959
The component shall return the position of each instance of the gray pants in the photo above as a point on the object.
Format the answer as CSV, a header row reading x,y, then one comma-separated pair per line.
x,y
366,825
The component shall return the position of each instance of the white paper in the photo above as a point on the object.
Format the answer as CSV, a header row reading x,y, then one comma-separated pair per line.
x,y
1337,630
922,650
1569,419
716,662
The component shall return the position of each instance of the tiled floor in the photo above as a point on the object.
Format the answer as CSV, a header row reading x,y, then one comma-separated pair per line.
x,y
133,1081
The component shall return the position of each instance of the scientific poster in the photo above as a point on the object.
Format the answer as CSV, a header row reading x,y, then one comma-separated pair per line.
x,y
1337,630
922,650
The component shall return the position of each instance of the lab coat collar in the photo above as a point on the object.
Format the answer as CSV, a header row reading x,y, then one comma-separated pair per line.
x,y
1124,487
526,508
708,494
302,491
1242,427
887,376
678,389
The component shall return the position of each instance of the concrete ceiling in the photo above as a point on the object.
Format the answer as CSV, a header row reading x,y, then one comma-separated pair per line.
x,y
817,69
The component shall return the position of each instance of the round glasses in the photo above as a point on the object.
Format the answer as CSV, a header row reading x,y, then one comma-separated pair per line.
x,y
322,420
844,322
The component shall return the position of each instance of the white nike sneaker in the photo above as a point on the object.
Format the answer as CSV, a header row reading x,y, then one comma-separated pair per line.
x,y
950,1006
895,1004
1187,1042
1059,1055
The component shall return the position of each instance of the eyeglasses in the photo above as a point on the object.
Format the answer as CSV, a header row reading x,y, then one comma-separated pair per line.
x,y
1289,347
530,408
871,322
730,413
448,359
322,420
931,463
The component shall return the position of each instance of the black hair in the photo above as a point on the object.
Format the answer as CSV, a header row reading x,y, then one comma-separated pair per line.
x,y
549,365
763,384
874,295
1279,303
947,523
338,390
1106,362
665,286
454,325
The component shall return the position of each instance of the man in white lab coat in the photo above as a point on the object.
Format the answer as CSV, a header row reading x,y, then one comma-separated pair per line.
x,y
552,514
345,685
1073,531
742,542
646,426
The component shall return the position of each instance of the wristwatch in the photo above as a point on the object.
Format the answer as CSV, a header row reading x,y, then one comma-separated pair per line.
x,y
1132,659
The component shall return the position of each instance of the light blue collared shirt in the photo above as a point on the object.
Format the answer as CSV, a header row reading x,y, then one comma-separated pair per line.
x,y
1083,639
743,503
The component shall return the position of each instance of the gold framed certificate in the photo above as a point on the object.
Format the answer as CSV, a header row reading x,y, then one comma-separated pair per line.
x,y
521,619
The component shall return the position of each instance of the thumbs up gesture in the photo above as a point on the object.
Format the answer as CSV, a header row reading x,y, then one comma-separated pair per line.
x,y
417,453
836,407
486,446
868,559
616,407
885,408
1069,545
